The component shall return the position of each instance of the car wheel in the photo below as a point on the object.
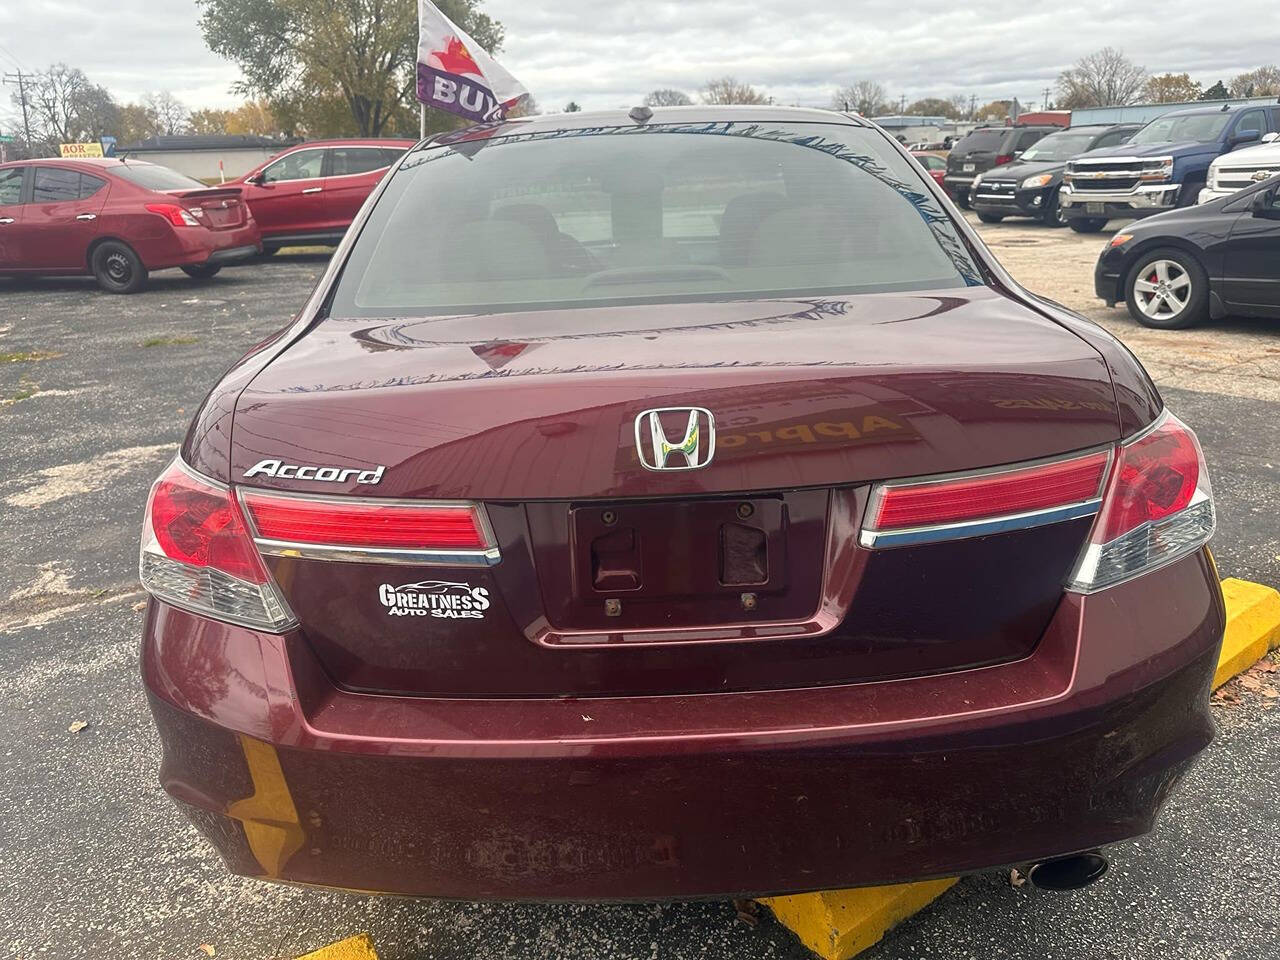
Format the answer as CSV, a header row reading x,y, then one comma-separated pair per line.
x,y
1190,193
269,251
990,217
202,271
1087,224
117,268
1052,216
1168,290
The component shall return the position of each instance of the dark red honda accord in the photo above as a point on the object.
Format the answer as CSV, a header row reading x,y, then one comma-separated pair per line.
x,y
675,504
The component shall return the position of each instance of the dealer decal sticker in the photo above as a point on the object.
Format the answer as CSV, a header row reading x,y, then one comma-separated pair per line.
x,y
441,599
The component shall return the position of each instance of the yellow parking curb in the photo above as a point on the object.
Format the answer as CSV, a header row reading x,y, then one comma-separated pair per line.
x,y
359,947
1253,627
839,924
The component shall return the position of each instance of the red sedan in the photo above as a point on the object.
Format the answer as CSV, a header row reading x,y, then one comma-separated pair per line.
x,y
676,503
117,220
310,193
934,163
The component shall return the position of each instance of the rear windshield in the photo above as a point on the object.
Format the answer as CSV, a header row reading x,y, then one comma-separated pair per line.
x,y
154,177
980,140
649,214
1058,146
1196,126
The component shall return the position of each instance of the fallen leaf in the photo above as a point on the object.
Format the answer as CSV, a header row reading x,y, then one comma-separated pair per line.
x,y
1226,695
207,949
1250,682
1266,666
140,606
1271,693
748,912
77,726
1016,879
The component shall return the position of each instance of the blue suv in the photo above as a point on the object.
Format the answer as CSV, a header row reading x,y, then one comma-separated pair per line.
x,y
1164,165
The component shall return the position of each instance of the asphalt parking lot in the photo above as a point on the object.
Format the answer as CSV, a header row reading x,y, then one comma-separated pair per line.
x,y
95,394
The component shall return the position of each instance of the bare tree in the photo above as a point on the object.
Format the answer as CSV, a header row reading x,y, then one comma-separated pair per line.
x,y
1104,78
66,108
1263,82
864,96
729,90
170,112
667,97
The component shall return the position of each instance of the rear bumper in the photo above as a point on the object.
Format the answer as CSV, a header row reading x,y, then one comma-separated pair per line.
x,y
631,798
196,246
234,254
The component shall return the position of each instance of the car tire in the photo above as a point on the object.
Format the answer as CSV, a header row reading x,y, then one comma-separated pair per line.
x,y
962,199
1052,216
202,271
269,251
1087,224
117,268
1167,289
991,217
1190,193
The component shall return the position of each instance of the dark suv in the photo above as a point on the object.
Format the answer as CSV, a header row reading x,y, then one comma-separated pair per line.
x,y
983,149
1029,187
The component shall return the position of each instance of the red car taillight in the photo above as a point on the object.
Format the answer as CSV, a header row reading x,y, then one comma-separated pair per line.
x,y
1003,158
176,215
989,501
365,524
1158,508
197,554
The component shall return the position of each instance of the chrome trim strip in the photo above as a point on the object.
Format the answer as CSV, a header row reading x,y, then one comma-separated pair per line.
x,y
437,558
978,528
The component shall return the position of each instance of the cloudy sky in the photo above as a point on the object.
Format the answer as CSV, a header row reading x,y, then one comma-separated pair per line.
x,y
607,54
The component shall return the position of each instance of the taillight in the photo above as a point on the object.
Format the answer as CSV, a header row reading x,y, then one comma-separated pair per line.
x,y
984,502
1158,507
1003,158
176,215
197,554
343,522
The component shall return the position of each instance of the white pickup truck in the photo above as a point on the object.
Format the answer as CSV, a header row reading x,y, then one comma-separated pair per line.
x,y
1241,168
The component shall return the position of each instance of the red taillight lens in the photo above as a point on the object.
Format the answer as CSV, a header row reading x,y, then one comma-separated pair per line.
x,y
366,524
176,215
1003,158
201,525
1158,507
197,554
977,497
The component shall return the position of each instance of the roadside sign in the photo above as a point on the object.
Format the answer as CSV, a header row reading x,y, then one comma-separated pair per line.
x,y
81,149
6,138
108,146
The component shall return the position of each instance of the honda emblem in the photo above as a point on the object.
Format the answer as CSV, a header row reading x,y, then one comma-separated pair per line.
x,y
689,450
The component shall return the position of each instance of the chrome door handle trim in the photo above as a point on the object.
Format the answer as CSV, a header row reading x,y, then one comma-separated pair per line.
x,y
4,220
313,189
87,216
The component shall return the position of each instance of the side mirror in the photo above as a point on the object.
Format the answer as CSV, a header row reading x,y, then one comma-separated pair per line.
x,y
1246,136
1263,204
1018,153
257,179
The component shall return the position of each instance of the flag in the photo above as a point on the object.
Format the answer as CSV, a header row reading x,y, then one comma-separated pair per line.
x,y
456,74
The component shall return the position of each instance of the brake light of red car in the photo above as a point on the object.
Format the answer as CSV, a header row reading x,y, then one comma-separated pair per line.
x,y
176,215
1003,158
342,522
197,554
984,502
1158,507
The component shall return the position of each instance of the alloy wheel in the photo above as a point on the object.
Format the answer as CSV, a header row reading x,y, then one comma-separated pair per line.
x,y
1164,289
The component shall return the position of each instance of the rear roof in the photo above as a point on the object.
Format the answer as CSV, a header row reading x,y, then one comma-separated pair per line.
x,y
767,113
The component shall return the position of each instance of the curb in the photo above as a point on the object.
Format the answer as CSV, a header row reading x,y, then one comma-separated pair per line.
x,y
1253,627
359,947
840,924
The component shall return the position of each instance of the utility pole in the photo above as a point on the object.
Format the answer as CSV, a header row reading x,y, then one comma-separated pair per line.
x,y
19,81
1045,102
973,104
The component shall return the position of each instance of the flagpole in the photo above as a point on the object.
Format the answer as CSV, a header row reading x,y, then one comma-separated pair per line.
x,y
422,121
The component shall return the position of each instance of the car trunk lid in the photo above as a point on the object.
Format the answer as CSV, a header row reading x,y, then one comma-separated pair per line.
x,y
219,208
615,579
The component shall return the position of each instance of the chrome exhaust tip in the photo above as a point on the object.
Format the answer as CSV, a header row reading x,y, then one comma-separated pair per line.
x,y
1069,873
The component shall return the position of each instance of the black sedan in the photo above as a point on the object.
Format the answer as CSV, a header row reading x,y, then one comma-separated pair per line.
x,y
1214,260
1029,188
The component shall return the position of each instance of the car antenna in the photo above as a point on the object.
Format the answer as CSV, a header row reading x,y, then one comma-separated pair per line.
x,y
641,114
